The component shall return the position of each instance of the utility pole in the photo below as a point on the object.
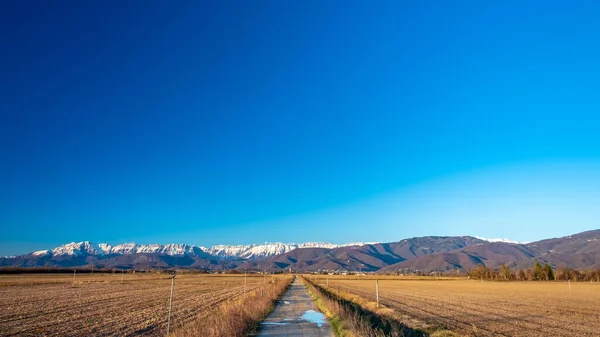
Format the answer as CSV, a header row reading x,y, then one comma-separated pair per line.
x,y
171,301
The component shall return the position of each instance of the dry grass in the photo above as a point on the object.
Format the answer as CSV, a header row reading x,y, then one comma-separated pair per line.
x,y
487,309
100,305
237,318
351,315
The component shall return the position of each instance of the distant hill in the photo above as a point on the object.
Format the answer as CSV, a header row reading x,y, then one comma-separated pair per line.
x,y
580,251
430,253
368,257
491,254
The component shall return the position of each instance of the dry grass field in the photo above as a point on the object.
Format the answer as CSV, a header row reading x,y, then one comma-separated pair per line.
x,y
473,308
104,305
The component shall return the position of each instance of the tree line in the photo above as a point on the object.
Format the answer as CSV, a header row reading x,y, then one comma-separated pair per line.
x,y
539,272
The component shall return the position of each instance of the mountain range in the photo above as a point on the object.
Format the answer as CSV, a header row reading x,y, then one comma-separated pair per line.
x,y
431,253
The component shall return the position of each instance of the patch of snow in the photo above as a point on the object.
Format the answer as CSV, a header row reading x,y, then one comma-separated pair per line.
x,y
359,244
41,252
497,240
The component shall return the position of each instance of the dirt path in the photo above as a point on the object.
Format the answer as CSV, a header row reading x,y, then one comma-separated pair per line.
x,y
296,315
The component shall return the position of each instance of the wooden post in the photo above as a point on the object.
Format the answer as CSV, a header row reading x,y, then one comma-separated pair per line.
x,y
75,272
377,291
244,284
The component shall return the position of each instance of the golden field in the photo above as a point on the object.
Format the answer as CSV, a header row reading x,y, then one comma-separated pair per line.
x,y
474,308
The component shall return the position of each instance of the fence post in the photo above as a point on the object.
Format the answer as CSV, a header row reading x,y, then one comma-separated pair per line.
x,y
377,291
171,303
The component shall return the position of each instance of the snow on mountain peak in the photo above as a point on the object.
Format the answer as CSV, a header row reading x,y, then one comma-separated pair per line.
x,y
221,251
78,248
267,249
497,240
262,250
41,252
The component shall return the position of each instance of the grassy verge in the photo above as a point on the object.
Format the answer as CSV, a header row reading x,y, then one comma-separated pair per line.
x,y
329,309
351,315
237,318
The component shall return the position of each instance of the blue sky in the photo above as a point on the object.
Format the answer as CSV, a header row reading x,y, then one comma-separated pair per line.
x,y
245,122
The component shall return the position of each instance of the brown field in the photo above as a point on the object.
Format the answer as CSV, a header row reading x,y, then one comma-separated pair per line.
x,y
103,305
473,308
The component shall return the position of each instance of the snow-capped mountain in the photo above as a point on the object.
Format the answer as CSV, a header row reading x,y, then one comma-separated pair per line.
x,y
265,250
87,248
422,253
170,249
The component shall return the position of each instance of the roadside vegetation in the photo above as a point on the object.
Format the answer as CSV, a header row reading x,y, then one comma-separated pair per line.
x,y
352,316
238,318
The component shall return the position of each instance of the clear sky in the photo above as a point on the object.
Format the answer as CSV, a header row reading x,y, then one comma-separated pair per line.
x,y
242,122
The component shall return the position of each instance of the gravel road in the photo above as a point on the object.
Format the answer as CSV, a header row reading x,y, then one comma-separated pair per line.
x,y
296,315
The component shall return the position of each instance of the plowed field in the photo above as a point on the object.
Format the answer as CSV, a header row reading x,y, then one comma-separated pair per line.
x,y
103,305
490,308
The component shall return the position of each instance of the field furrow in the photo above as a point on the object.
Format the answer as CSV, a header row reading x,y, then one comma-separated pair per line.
x,y
103,305
489,308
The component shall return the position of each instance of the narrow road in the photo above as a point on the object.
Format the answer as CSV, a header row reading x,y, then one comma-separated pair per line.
x,y
296,315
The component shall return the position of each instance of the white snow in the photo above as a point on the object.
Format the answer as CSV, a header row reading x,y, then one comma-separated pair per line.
x,y
41,252
133,248
268,249
78,248
497,240
262,250
221,251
